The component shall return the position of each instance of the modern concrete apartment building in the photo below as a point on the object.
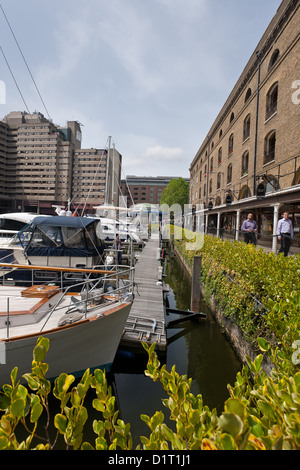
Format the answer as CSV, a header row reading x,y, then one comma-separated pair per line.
x,y
44,165
143,189
250,159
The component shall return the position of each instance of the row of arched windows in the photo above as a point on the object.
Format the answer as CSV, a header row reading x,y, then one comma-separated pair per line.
x,y
269,156
270,141
270,110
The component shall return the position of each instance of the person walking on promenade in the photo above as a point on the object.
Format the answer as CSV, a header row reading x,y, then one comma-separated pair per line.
x,y
285,233
249,228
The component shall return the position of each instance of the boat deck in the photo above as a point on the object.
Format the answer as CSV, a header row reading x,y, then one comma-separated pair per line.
x,y
32,315
146,322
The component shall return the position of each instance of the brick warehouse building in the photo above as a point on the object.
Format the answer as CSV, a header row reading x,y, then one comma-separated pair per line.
x,y
250,159
143,189
44,165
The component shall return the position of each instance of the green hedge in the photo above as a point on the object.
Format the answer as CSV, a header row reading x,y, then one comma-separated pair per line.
x,y
257,290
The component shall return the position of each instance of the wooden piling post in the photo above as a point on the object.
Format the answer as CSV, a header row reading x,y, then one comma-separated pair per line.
x,y
195,295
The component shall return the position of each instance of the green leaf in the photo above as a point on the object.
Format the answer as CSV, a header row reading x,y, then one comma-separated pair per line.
x,y
227,442
17,408
4,442
98,405
168,434
231,424
257,363
13,376
69,379
296,398
86,446
61,423
4,401
267,410
146,419
297,380
75,399
235,406
36,412
256,426
40,350
263,344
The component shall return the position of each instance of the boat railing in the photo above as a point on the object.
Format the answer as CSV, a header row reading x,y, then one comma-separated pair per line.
x,y
7,233
115,284
120,291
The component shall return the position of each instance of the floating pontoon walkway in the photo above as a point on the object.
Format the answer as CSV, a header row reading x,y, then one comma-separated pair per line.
x,y
146,322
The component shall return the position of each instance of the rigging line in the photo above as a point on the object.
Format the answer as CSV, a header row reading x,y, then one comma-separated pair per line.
x,y
115,179
130,194
14,80
25,61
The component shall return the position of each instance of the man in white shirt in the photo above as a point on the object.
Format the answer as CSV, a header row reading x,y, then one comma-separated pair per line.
x,y
285,233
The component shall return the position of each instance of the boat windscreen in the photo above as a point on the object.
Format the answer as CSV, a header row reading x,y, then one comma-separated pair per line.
x,y
49,236
73,237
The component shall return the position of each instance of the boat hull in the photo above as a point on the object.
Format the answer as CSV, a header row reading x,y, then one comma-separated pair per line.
x,y
87,344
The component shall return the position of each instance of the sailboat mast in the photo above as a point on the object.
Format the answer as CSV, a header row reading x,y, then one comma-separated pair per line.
x,y
107,173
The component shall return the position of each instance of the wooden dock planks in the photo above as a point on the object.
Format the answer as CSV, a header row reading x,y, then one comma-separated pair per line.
x,y
146,322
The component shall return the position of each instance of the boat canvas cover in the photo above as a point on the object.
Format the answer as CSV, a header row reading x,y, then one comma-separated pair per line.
x,y
64,236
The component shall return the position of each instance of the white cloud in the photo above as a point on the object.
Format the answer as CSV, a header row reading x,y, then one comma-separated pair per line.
x,y
189,10
152,160
131,37
71,42
163,153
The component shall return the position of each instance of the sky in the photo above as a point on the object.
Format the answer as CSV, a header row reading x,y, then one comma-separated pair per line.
x,y
152,74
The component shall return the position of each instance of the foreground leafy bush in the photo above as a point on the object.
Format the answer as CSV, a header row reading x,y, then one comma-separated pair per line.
x,y
22,408
261,416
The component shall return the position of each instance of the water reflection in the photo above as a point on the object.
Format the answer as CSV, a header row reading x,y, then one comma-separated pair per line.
x,y
203,352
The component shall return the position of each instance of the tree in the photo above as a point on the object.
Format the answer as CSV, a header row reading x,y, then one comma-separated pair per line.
x,y
177,192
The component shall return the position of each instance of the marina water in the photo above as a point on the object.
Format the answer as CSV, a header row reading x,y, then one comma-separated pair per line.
x,y
198,349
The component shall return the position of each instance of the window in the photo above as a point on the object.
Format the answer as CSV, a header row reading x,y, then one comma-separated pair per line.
x,y
219,181
245,163
244,192
210,186
270,144
229,173
230,144
220,156
232,117
272,184
272,98
248,94
212,164
274,58
247,123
